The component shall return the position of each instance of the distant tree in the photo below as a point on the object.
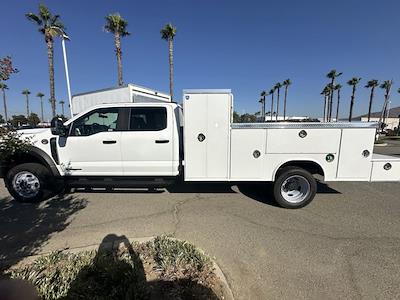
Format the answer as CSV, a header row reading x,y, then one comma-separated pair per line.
x,y
263,99
248,118
41,95
33,119
272,92
3,88
353,82
372,84
333,74
6,68
286,84
386,85
326,93
26,92
2,120
116,25
236,117
17,120
50,26
168,33
337,88
278,88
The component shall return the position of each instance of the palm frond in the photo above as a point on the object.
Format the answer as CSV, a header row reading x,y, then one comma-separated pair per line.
x,y
168,32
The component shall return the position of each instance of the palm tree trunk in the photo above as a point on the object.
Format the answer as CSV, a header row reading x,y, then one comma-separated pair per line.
x,y
371,97
272,105
50,56
277,106
41,108
352,103
263,109
62,109
325,103
118,53
5,105
171,68
330,106
338,103
27,105
284,103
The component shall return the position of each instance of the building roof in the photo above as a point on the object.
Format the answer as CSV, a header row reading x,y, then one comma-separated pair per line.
x,y
394,113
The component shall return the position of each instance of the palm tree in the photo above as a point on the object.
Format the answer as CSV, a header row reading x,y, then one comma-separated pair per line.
x,y
3,88
332,75
51,27
353,82
372,84
271,92
286,84
62,102
263,98
277,87
386,85
41,95
338,88
26,93
326,92
117,25
168,33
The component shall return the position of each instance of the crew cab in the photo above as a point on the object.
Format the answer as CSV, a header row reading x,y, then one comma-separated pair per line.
x,y
158,144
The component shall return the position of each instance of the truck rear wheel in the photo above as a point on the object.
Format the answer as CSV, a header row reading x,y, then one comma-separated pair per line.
x,y
29,182
294,187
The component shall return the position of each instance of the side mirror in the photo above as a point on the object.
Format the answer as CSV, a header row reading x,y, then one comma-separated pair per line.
x,y
57,127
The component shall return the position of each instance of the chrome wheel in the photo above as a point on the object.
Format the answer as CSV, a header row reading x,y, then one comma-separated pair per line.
x,y
295,189
26,184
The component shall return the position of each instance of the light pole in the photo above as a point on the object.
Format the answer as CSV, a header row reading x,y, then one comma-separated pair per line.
x,y
63,38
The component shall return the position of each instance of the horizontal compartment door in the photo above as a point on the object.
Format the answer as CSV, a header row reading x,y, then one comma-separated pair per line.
x,y
303,141
385,171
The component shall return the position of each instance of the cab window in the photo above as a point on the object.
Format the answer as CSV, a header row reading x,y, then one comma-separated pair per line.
x,y
100,120
148,119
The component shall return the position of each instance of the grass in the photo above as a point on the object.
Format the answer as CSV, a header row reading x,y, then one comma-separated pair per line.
x,y
162,268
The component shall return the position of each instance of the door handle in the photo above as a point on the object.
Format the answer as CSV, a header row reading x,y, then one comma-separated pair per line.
x,y
109,142
162,141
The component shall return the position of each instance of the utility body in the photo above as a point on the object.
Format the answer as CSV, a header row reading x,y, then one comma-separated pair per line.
x,y
154,144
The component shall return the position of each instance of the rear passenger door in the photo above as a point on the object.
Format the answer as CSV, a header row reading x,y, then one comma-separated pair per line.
x,y
147,144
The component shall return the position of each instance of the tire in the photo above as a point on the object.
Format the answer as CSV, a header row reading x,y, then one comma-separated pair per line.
x,y
30,182
294,187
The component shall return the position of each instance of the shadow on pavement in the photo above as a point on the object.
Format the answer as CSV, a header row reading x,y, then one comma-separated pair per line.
x,y
25,227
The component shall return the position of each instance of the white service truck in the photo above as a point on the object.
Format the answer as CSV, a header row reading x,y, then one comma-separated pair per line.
x,y
157,144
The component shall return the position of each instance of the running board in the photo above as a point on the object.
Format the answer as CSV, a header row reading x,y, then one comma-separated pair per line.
x,y
118,182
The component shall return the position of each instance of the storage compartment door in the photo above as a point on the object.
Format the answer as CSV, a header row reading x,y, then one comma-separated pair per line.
x,y
195,123
353,165
385,168
248,154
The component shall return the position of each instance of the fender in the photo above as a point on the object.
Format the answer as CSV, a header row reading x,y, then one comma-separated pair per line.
x,y
44,158
300,163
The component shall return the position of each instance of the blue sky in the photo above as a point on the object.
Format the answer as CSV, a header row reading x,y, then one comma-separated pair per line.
x,y
247,46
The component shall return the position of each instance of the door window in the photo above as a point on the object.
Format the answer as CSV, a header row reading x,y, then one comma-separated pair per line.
x,y
101,120
148,119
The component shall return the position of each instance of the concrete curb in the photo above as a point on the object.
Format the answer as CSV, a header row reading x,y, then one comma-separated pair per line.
x,y
115,245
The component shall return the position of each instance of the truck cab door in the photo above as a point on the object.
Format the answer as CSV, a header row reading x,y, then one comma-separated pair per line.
x,y
93,146
147,146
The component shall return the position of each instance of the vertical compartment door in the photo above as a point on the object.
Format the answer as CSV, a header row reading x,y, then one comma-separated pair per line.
x,y
195,128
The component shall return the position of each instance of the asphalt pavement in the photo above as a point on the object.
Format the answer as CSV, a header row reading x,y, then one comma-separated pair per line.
x,y
345,244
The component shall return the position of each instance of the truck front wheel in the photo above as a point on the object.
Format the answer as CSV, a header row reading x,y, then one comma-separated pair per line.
x,y
29,182
294,187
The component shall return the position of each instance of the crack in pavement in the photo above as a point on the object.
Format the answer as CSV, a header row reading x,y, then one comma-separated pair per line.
x,y
177,208
317,235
